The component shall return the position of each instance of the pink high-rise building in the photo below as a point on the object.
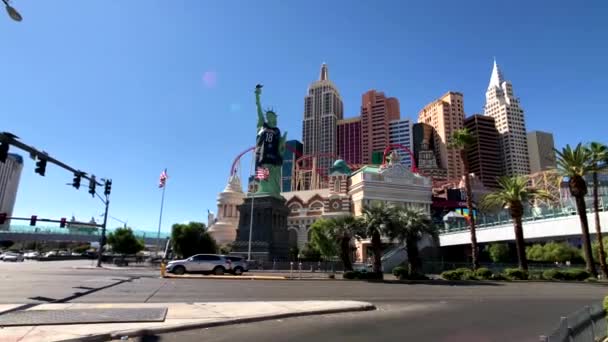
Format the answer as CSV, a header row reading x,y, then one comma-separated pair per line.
x,y
376,113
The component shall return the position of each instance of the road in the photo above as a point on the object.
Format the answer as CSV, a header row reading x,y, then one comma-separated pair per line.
x,y
492,312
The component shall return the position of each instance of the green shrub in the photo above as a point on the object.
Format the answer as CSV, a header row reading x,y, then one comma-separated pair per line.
x,y
498,276
450,275
576,274
483,273
459,274
553,274
400,272
515,274
553,251
606,305
573,274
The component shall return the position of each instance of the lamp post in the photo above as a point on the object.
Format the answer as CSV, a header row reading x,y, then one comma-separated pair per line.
x,y
12,12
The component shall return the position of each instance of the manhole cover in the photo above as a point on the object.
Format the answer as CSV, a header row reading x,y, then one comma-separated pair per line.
x,y
82,316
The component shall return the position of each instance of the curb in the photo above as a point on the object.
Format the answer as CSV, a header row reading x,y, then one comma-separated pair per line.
x,y
225,277
190,326
246,277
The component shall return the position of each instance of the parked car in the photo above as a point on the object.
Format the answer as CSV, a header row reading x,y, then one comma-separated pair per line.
x,y
205,263
238,264
31,255
50,254
14,257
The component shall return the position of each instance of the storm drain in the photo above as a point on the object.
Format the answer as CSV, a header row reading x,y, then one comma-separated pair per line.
x,y
82,316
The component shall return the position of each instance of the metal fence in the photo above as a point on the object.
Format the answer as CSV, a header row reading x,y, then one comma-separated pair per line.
x,y
304,266
583,325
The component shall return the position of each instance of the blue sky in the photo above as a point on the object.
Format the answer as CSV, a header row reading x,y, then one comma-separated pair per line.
x,y
123,89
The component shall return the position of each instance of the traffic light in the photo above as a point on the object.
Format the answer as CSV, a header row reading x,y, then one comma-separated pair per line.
x,y
62,222
40,167
2,218
3,151
33,220
76,181
108,187
92,184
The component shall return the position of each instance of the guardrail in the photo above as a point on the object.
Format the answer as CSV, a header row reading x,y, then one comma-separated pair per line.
x,y
585,324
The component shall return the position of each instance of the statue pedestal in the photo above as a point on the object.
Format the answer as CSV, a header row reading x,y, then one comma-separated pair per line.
x,y
269,236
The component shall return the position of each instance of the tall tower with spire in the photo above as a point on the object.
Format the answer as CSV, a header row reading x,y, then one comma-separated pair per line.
x,y
322,110
503,106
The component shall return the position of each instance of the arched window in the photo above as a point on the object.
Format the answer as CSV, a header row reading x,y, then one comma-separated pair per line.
x,y
316,205
295,207
337,185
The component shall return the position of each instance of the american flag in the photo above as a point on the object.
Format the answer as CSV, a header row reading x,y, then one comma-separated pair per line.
x,y
262,173
163,179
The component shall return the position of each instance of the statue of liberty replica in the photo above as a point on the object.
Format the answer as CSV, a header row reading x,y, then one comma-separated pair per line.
x,y
262,231
269,149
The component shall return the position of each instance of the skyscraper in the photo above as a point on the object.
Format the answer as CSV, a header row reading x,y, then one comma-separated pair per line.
x,y
376,113
400,132
503,106
484,155
445,115
10,173
424,147
322,110
349,140
540,148
293,150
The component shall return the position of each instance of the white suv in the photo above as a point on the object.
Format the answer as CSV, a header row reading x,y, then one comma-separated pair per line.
x,y
204,263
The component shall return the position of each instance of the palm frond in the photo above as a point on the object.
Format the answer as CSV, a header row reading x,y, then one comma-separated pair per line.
x,y
461,138
574,162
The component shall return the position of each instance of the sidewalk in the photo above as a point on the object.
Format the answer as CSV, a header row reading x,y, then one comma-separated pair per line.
x,y
179,316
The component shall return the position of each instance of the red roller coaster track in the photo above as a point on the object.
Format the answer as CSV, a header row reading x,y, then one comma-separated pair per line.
x,y
404,148
252,148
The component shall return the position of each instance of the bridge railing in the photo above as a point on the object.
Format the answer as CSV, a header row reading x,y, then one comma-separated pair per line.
x,y
24,229
486,220
585,324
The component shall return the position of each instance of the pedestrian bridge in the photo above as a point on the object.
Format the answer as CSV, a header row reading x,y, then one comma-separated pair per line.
x,y
42,233
548,226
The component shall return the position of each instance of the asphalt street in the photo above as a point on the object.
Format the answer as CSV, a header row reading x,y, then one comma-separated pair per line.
x,y
490,312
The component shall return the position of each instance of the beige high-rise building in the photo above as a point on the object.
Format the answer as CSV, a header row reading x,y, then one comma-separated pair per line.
x,y
322,109
540,149
445,115
503,106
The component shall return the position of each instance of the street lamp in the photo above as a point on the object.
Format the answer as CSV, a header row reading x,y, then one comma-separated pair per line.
x,y
12,12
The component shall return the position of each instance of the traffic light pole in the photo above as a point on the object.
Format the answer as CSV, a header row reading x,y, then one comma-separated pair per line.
x,y
102,238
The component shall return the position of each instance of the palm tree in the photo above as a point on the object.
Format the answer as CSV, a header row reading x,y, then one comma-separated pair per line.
x,y
377,221
599,160
514,193
410,227
341,231
574,163
461,139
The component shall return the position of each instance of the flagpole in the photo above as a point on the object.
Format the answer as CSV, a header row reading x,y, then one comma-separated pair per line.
x,y
160,218
251,215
